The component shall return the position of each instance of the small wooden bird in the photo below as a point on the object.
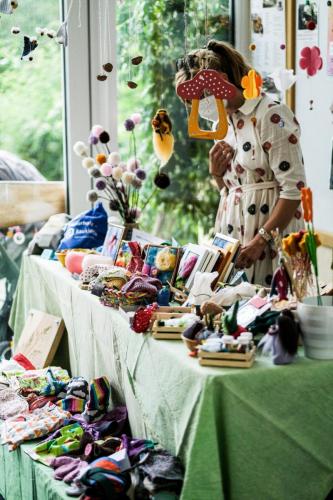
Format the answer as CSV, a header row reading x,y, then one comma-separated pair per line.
x,y
163,139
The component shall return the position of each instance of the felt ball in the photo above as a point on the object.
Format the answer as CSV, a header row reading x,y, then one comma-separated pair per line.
x,y
80,149
106,169
136,118
311,25
136,183
108,67
88,162
133,164
162,180
132,85
123,165
141,174
94,172
129,125
252,46
101,78
127,177
93,140
101,158
40,31
92,196
282,46
114,158
100,184
104,137
117,173
137,60
97,130
73,261
14,4
15,30
114,205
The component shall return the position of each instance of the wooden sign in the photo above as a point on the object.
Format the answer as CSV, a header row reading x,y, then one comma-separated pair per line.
x,y
40,338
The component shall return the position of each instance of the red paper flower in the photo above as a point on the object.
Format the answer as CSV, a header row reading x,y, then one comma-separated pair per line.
x,y
311,60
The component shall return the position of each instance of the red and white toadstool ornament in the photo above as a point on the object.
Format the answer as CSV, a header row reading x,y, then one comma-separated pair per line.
x,y
193,90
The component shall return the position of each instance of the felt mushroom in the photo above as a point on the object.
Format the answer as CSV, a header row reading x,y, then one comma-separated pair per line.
x,y
212,81
209,309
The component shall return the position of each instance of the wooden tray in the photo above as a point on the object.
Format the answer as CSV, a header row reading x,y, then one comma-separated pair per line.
x,y
167,332
231,359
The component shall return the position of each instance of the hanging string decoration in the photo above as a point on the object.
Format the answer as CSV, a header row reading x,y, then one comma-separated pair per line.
x,y
163,140
251,83
104,41
29,45
211,81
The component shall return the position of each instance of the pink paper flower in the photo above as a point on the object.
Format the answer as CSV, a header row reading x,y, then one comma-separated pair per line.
x,y
311,60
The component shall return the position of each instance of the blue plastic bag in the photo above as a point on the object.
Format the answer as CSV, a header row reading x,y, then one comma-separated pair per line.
x,y
86,230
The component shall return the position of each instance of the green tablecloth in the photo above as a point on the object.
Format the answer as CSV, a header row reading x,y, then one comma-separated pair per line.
x,y
262,433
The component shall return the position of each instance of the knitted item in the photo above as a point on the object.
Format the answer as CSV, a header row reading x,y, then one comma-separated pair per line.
x,y
67,469
11,404
98,402
103,479
77,392
143,284
54,387
69,441
92,272
162,471
35,401
114,423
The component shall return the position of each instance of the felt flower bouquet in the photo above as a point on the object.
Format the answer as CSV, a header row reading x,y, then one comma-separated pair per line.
x,y
301,251
115,181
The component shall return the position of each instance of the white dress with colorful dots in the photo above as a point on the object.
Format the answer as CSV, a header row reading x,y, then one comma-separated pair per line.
x,y
267,165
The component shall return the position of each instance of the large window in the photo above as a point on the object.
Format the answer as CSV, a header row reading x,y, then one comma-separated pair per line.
x,y
31,100
156,31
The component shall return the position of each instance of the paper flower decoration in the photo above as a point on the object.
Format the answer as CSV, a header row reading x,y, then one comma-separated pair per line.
x,y
211,80
251,84
311,60
283,78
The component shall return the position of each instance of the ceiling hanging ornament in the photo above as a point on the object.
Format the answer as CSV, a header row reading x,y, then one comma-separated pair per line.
x,y
105,42
311,60
251,83
283,78
211,81
29,45
163,139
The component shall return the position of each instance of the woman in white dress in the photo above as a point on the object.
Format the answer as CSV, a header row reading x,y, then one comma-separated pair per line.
x,y
258,167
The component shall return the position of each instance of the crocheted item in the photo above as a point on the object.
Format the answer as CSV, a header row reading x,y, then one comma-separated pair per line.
x,y
92,272
69,441
144,284
77,393
98,402
11,404
142,318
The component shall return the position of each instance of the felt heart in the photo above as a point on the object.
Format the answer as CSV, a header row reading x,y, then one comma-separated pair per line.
x,y
311,60
108,67
101,78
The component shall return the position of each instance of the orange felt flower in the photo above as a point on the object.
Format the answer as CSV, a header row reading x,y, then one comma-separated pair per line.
x,y
251,84
101,158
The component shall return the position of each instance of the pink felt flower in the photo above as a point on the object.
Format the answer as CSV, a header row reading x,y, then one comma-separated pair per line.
x,y
311,60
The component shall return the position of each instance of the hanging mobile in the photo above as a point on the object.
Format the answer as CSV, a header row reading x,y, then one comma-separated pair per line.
x,y
163,139
107,67
30,44
211,80
251,84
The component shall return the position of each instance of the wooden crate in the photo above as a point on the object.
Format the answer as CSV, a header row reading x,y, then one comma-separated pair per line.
x,y
230,359
167,332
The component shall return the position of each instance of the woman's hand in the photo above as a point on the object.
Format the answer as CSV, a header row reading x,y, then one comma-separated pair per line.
x,y
220,156
249,254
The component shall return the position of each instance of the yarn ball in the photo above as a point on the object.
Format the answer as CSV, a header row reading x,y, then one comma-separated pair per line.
x,y
129,125
136,118
100,184
97,130
114,205
101,158
141,174
80,149
133,164
127,177
73,261
93,140
88,162
117,173
92,196
114,158
104,137
94,172
106,169
162,181
136,183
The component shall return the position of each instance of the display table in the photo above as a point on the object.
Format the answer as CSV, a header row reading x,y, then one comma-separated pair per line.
x,y
262,433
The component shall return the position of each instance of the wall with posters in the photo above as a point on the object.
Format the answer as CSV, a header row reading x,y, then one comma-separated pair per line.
x,y
317,124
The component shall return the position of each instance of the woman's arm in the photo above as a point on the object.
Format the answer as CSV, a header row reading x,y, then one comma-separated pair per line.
x,y
280,217
219,158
